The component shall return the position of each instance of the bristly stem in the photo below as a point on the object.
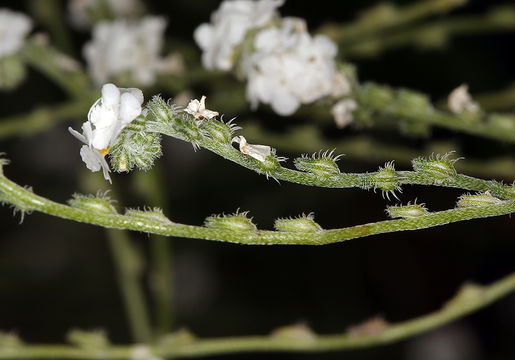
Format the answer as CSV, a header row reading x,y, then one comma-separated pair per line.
x,y
26,200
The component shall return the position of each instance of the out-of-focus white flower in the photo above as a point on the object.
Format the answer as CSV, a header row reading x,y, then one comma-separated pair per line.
x,y
228,27
123,46
290,67
342,112
258,152
106,119
341,85
459,101
198,109
14,27
83,12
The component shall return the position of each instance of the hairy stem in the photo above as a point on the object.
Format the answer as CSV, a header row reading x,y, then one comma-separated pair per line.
x,y
363,148
469,299
26,200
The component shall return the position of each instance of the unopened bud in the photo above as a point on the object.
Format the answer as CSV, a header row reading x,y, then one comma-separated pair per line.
x,y
323,164
484,199
98,204
236,222
440,168
302,224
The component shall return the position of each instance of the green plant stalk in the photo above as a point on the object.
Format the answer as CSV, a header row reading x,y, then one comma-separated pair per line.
x,y
26,200
129,268
150,186
43,118
66,72
469,299
49,13
342,180
363,148
432,35
385,17
387,104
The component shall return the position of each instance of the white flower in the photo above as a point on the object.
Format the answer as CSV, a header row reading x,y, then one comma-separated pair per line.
x,y
83,12
198,109
126,47
14,27
106,119
258,152
342,112
228,27
459,101
290,67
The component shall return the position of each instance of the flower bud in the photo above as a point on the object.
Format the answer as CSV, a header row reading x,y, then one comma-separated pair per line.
x,y
386,179
12,72
302,224
407,211
99,204
218,130
88,340
323,164
440,168
154,215
476,200
235,222
411,100
160,110
135,148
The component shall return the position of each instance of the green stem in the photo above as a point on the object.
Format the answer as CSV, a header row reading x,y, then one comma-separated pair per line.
x,y
43,118
63,70
469,299
384,17
129,267
413,106
26,200
434,34
362,148
50,14
150,186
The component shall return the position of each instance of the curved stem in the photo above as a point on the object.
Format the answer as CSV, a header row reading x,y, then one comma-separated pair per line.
x,y
412,106
129,268
63,70
469,299
381,18
43,118
433,34
28,201
363,148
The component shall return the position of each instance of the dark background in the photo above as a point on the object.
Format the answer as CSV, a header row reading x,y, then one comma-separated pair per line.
x,y
56,274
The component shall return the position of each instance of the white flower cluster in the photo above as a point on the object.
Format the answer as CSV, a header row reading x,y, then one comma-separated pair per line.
x,y
14,27
108,116
126,47
228,27
285,66
84,12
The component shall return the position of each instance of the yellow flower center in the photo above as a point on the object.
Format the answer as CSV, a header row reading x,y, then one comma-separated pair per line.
x,y
104,152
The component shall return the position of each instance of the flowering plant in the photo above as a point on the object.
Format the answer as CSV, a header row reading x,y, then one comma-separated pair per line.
x,y
299,93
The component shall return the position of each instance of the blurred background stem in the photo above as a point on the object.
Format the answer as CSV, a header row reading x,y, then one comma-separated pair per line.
x,y
150,185
129,264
